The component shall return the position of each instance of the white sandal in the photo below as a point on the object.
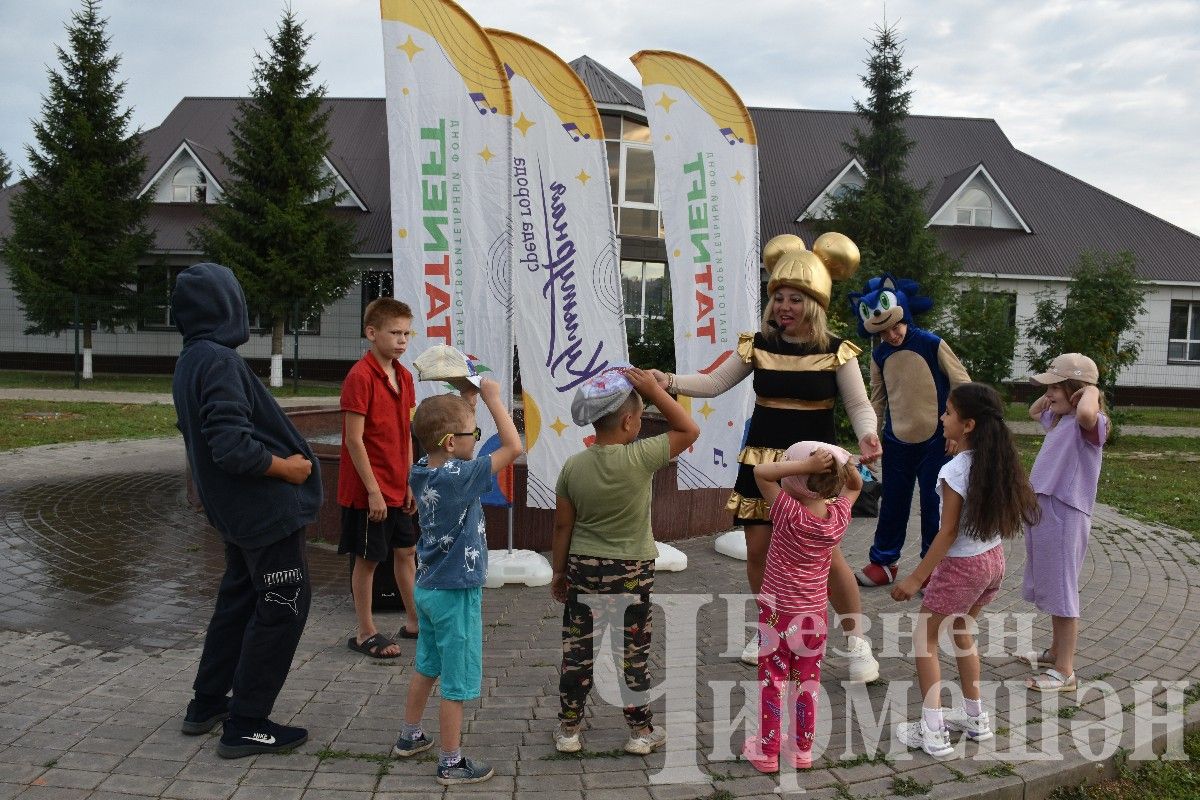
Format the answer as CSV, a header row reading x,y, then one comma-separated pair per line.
x,y
1034,658
1052,681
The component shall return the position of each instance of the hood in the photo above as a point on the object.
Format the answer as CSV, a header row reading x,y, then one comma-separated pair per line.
x,y
208,303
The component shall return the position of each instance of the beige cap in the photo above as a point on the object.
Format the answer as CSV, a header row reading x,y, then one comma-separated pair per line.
x,y
443,362
1069,367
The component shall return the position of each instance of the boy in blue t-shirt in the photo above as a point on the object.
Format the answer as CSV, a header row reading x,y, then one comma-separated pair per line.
x,y
451,568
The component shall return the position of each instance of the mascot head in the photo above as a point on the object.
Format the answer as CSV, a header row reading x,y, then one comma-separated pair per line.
x,y
833,257
886,300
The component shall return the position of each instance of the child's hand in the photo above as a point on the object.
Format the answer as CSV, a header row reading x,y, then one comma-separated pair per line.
x,y
819,461
296,469
1075,398
409,506
951,447
558,587
660,378
642,380
490,391
376,507
906,589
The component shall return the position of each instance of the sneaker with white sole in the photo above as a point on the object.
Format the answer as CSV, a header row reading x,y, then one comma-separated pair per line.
x,y
750,653
407,748
566,740
861,663
919,736
646,743
465,771
977,729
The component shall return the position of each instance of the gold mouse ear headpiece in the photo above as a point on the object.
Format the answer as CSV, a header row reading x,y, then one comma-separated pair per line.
x,y
833,257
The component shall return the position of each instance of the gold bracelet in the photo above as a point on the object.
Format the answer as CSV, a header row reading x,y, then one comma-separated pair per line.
x,y
670,383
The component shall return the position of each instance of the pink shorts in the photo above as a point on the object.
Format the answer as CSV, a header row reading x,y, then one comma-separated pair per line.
x,y
959,584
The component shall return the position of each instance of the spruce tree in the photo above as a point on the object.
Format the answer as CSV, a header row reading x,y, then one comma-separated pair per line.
x,y
886,218
78,226
5,170
274,225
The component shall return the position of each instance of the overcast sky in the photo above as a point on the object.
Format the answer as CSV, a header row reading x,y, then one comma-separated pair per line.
x,y
1106,91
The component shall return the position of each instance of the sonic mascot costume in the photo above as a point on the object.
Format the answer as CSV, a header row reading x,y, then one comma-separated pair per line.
x,y
912,373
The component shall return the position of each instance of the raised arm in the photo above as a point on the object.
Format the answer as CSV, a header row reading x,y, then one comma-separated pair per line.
x,y
684,430
510,440
731,372
768,476
1087,407
1038,407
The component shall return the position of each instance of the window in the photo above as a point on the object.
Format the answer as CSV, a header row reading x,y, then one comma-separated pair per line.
x,y
374,286
647,289
1183,338
155,284
974,208
188,185
631,177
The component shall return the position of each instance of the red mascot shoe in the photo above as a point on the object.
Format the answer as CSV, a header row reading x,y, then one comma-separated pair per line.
x,y
876,574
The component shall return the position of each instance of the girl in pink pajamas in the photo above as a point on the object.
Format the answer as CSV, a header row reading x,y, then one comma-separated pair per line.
x,y
810,513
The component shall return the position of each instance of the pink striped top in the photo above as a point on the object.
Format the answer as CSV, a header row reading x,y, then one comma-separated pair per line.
x,y
797,573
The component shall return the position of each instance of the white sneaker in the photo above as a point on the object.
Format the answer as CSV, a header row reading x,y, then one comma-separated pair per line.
x,y
566,740
977,729
918,736
862,665
750,654
646,743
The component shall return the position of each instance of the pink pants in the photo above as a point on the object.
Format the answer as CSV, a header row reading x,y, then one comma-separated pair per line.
x,y
790,649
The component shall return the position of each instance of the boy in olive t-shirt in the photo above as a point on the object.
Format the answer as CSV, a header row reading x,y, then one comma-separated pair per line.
x,y
603,544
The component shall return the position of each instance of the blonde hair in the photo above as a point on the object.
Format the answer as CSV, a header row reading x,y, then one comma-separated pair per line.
x,y
812,315
438,415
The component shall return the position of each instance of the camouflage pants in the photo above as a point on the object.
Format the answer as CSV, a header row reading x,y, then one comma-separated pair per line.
x,y
603,576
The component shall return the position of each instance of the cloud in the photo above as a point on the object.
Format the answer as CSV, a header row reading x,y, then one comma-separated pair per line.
x,y
1104,90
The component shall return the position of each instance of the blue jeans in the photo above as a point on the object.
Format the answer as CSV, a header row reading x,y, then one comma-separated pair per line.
x,y
904,465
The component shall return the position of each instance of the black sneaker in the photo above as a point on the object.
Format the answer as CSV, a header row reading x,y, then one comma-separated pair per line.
x,y
405,748
265,737
465,771
202,718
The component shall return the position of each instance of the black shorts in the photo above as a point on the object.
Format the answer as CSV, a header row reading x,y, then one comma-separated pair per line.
x,y
372,540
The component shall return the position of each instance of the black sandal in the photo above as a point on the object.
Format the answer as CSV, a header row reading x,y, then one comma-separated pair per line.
x,y
372,646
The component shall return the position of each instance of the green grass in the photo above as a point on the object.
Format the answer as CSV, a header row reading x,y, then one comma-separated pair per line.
x,y
1155,780
158,384
582,754
1149,478
79,422
909,787
1130,415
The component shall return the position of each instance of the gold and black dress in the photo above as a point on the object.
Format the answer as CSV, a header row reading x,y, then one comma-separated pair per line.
x,y
795,385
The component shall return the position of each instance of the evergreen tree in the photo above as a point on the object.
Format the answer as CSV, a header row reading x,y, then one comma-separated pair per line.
x,y
5,170
275,226
78,227
886,218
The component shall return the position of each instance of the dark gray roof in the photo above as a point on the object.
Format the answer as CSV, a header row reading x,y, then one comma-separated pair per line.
x,y
607,87
800,152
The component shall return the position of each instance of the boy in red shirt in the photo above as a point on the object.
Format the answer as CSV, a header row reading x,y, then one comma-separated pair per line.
x,y
377,506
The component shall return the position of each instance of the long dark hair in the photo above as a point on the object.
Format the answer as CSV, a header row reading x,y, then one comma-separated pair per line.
x,y
999,498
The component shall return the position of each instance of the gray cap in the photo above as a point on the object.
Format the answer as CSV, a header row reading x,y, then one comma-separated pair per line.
x,y
600,395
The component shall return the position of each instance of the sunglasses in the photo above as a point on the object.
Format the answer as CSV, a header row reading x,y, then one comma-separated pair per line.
x,y
475,434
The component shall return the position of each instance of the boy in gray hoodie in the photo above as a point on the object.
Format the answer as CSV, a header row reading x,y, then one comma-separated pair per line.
x,y
259,484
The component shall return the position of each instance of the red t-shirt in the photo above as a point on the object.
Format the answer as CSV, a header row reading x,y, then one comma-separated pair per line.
x,y
801,551
388,414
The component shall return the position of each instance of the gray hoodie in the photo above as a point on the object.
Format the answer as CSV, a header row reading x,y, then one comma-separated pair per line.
x,y
230,422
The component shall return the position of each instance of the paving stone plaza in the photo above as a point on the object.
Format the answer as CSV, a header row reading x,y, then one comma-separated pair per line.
x,y
106,584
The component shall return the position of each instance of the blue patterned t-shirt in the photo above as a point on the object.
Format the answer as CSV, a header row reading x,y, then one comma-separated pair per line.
x,y
452,550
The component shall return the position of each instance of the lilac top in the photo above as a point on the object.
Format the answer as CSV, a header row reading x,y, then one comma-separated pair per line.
x,y
1068,465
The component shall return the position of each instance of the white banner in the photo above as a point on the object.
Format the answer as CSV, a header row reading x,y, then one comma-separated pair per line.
x,y
448,122
706,164
570,322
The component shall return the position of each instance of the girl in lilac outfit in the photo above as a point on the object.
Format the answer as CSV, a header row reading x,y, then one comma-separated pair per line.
x,y
1065,476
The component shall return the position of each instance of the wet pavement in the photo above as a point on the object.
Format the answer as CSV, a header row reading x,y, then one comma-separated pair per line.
x,y
107,580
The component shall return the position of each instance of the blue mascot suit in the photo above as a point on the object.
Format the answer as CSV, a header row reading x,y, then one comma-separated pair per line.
x,y
912,380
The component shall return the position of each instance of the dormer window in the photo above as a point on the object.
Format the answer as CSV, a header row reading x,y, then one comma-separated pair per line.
x,y
974,208
188,185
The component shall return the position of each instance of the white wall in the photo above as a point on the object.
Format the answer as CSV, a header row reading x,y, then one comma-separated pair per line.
x,y
1001,218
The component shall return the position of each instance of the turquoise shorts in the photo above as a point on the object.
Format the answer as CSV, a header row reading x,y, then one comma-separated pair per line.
x,y
450,646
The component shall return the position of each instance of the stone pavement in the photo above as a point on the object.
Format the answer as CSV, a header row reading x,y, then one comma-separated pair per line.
x,y
106,583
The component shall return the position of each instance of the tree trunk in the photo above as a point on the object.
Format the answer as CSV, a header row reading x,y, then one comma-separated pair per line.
x,y
87,351
277,354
